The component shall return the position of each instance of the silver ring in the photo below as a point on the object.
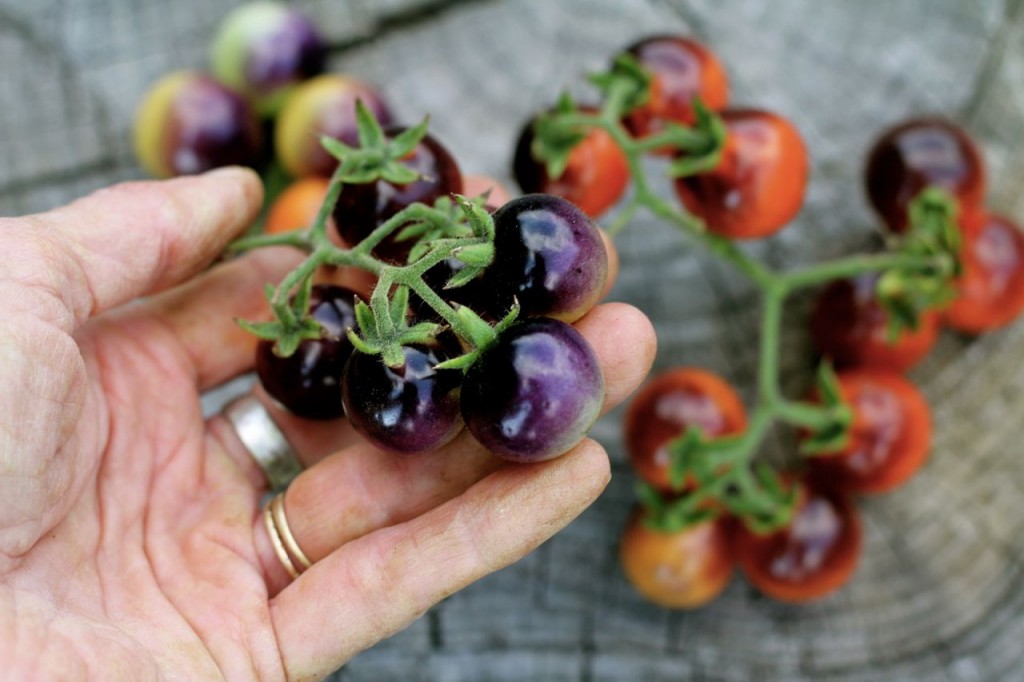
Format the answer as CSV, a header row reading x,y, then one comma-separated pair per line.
x,y
264,441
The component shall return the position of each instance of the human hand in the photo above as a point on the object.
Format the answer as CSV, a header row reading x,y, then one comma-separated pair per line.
x,y
131,540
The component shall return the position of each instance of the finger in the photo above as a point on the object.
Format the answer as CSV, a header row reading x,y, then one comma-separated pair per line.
x,y
202,314
475,185
375,586
132,239
361,489
613,263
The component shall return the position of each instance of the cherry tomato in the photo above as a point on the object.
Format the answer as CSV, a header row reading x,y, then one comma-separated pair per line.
x,y
683,570
759,184
890,436
992,286
361,208
189,123
668,405
919,153
595,178
325,105
811,558
681,69
263,49
849,326
297,206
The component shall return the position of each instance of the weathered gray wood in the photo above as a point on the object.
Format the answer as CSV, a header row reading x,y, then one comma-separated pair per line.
x,y
939,594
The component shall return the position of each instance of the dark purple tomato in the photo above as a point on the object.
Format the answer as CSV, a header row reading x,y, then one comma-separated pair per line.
x,y
361,208
308,382
917,154
189,123
534,393
411,408
549,256
325,105
263,49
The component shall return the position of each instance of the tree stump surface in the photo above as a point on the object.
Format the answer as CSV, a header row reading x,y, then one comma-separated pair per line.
x,y
939,593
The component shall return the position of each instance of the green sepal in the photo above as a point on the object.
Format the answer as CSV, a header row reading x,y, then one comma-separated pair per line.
x,y
405,142
476,255
478,218
685,456
835,435
371,135
360,345
268,331
702,145
628,79
553,141
463,277
419,334
662,515
398,174
460,362
480,333
398,306
392,355
336,148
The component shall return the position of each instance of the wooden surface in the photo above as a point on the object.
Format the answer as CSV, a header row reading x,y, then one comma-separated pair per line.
x,y
939,593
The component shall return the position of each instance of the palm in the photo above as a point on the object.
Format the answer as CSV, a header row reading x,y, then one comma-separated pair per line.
x,y
130,541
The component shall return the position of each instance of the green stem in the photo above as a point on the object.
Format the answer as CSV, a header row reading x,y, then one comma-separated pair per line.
x,y
811,416
857,265
768,366
299,239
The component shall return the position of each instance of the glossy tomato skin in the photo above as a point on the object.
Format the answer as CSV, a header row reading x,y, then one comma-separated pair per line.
x,y
681,69
666,407
411,408
759,184
810,559
917,154
890,436
263,49
548,256
361,208
682,570
991,290
325,105
594,179
534,393
849,327
308,382
189,123
297,206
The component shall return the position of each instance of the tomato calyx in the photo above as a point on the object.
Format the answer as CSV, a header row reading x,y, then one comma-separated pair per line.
x,y
293,324
377,157
834,433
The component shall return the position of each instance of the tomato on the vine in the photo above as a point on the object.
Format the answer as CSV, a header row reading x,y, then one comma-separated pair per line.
x,y
920,153
759,184
681,69
850,327
361,208
594,179
991,290
297,206
666,407
308,382
890,436
815,555
679,570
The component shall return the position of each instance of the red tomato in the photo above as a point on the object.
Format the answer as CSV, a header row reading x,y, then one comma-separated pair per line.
x,y
666,407
890,436
595,178
812,557
919,153
992,286
850,327
297,206
681,70
759,185
683,570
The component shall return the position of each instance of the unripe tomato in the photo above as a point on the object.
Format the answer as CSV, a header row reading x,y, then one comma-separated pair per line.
x,y
920,153
325,105
890,436
682,570
666,407
189,123
991,290
595,178
759,184
850,327
812,557
681,69
264,49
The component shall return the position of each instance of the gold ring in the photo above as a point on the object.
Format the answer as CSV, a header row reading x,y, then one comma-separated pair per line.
x,y
285,546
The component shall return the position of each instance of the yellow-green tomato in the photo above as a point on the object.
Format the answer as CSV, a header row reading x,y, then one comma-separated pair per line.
x,y
325,105
264,49
189,123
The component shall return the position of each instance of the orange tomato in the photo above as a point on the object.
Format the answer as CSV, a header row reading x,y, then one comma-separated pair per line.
x,y
297,206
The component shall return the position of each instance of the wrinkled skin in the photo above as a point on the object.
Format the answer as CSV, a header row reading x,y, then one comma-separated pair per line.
x,y
131,544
